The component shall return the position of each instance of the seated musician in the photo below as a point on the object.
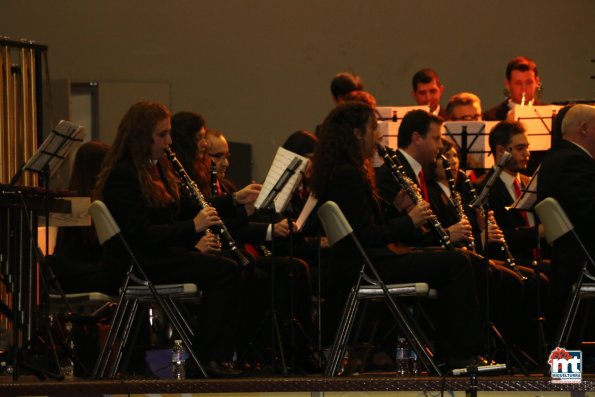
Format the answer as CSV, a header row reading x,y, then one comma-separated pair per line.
x,y
341,173
211,148
420,144
77,255
140,188
522,86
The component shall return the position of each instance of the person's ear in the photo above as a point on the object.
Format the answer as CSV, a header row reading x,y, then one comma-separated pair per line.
x,y
358,133
500,150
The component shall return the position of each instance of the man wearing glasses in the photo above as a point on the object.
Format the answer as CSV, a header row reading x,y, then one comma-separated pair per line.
x,y
464,106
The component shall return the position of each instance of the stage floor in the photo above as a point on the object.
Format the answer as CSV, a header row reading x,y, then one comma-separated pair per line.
x,y
364,385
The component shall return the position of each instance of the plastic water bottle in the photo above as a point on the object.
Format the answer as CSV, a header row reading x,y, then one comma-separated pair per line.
x,y
67,363
178,360
402,357
413,365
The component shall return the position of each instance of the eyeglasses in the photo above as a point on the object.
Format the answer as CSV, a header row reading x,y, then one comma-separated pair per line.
x,y
468,118
220,155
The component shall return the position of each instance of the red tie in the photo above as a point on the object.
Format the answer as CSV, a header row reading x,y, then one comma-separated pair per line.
x,y
517,194
422,185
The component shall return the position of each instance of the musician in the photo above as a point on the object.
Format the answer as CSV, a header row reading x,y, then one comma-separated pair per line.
x,y
464,106
443,204
344,83
568,175
141,190
76,261
427,90
361,96
522,85
519,227
253,232
419,143
341,173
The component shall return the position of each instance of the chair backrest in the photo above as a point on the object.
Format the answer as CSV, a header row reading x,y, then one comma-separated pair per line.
x,y
105,225
334,222
554,219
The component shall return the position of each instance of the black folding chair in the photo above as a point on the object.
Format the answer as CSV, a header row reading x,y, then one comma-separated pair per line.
x,y
337,227
132,295
556,224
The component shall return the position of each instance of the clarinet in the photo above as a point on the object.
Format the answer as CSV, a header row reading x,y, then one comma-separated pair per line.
x,y
213,172
194,192
455,196
406,183
502,243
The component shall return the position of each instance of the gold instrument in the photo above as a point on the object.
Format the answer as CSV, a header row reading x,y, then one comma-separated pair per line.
x,y
220,231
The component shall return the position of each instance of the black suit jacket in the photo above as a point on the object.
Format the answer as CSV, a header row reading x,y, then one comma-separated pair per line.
x,y
153,233
568,175
361,208
388,189
521,238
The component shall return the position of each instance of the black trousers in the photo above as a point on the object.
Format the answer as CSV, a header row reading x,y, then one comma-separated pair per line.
x,y
459,333
218,314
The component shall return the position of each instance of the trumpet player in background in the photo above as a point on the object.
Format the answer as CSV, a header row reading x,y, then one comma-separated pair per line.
x,y
140,189
522,85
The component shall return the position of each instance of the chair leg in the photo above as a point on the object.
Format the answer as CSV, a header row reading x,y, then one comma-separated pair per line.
x,y
125,334
569,315
342,336
134,323
112,336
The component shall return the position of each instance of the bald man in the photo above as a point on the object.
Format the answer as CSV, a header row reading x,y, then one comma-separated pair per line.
x,y
568,175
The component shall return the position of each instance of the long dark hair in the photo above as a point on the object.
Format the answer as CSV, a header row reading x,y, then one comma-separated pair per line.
x,y
134,140
338,145
185,127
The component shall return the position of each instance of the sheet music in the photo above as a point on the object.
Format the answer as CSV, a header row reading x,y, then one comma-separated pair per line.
x,y
56,147
282,159
538,122
306,211
526,201
388,128
478,147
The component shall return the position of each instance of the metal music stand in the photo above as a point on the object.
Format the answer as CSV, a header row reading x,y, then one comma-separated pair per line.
x,y
269,204
471,141
492,330
526,202
45,161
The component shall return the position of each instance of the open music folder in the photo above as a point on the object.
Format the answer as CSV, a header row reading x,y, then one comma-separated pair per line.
x,y
56,147
282,160
528,198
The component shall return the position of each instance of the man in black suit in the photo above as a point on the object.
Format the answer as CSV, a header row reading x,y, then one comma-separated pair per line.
x,y
522,83
568,175
419,144
520,229
427,90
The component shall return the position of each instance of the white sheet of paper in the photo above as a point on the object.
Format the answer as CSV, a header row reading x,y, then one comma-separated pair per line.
x,y
306,211
282,159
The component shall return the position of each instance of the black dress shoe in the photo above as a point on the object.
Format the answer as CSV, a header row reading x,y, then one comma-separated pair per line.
x,y
221,369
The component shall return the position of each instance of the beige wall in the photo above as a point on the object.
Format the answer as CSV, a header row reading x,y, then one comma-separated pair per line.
x,y
260,69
